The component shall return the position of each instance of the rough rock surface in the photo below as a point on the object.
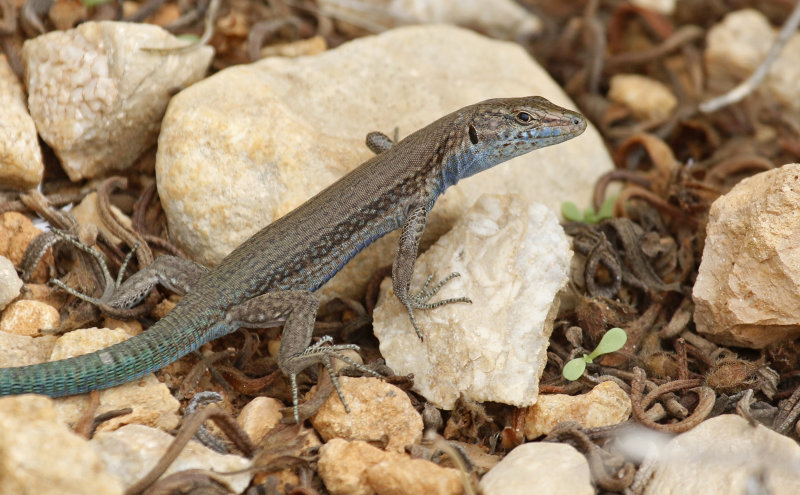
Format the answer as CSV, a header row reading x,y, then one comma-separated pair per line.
x,y
252,142
605,405
379,412
21,164
27,317
747,293
513,257
357,468
97,96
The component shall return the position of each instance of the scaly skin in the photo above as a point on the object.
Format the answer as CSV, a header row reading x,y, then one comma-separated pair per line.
x,y
270,278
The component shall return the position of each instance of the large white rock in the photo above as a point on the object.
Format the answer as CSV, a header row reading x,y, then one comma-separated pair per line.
x,y
247,145
513,257
97,97
721,456
748,286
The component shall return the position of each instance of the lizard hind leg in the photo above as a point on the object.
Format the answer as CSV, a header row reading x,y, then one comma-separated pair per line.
x,y
296,310
323,354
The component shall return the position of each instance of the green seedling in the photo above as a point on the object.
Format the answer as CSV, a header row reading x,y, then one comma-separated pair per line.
x,y
572,213
94,3
612,341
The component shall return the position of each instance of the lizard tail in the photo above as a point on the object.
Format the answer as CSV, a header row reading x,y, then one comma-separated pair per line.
x,y
163,343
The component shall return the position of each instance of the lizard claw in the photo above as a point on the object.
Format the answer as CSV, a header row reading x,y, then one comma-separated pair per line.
x,y
326,353
420,299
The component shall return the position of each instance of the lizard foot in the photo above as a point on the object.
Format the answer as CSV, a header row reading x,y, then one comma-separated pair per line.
x,y
420,299
325,355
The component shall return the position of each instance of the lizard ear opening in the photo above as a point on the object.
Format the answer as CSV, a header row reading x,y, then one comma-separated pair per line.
x,y
473,134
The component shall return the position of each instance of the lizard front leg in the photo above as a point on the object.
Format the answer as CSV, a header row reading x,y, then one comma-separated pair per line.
x,y
403,269
296,310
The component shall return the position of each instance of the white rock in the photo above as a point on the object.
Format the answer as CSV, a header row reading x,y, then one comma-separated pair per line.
x,y
540,467
256,141
131,451
646,98
40,455
97,97
738,45
10,283
513,257
723,455
21,164
747,292
498,18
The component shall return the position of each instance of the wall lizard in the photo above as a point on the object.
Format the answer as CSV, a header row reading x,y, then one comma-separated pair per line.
x,y
270,279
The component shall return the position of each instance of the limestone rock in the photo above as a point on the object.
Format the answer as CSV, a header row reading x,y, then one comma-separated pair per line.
x,y
97,96
131,451
605,405
379,412
739,44
499,18
21,164
27,317
646,98
16,232
40,455
357,468
256,141
540,467
723,455
259,416
10,283
513,257
150,399
20,350
747,293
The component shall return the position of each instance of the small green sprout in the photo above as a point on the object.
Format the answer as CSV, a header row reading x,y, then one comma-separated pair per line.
x,y
571,212
612,341
94,3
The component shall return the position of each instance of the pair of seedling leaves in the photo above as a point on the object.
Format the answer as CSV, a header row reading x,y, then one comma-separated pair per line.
x,y
612,341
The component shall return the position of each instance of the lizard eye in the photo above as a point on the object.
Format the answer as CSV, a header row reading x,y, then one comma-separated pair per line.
x,y
524,117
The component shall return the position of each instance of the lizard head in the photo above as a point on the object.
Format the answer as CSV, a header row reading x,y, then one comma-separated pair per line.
x,y
497,130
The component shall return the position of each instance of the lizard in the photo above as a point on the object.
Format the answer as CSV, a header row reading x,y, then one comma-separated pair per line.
x,y
270,279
